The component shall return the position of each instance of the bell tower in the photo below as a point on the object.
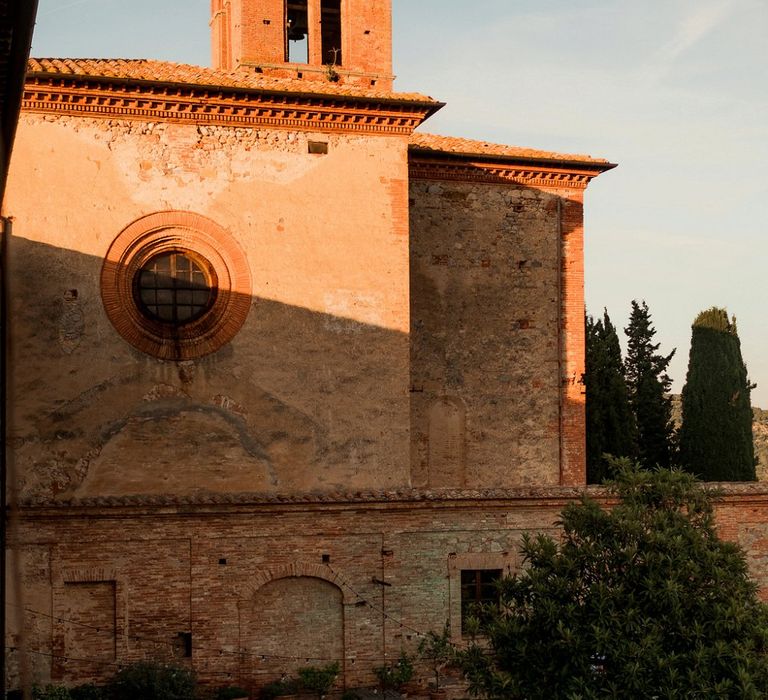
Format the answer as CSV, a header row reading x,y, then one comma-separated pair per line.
x,y
344,41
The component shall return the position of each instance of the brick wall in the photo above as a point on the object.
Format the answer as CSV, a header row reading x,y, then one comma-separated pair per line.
x,y
263,589
250,34
267,588
488,264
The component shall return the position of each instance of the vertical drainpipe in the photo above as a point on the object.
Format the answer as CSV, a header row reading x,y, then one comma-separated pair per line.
x,y
560,343
6,232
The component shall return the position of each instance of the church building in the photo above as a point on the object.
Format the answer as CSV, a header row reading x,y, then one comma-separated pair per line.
x,y
289,375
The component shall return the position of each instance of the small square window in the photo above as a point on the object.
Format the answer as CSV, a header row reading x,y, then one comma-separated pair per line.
x,y
478,587
318,147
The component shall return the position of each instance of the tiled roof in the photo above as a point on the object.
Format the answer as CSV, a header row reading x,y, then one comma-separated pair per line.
x,y
145,70
450,144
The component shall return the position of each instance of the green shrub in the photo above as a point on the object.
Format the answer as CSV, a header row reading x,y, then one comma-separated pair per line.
x,y
229,692
88,691
51,692
397,674
284,686
153,681
319,680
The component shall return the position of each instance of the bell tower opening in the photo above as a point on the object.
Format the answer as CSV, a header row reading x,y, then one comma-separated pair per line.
x,y
297,31
345,41
330,28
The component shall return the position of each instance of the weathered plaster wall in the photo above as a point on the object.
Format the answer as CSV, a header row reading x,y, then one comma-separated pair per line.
x,y
313,391
485,276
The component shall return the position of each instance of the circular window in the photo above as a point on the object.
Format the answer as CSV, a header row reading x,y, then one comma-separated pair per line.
x,y
176,285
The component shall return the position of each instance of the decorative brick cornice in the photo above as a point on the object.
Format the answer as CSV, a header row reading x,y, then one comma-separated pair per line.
x,y
728,493
191,104
405,496
523,173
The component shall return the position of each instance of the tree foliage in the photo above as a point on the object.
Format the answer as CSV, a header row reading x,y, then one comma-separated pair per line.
x,y
609,420
716,435
648,383
639,601
152,680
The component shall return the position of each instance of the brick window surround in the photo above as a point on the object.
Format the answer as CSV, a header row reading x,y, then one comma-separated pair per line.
x,y
504,563
167,232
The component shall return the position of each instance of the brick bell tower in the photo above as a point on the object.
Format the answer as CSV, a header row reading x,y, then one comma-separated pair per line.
x,y
344,41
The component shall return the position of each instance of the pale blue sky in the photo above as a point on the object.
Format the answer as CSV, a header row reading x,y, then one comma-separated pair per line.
x,y
675,91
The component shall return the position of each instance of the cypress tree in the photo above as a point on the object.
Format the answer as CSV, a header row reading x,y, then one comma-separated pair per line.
x,y
648,383
610,423
716,435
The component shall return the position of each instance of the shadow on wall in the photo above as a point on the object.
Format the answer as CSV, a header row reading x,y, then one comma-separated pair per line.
x,y
297,401
488,260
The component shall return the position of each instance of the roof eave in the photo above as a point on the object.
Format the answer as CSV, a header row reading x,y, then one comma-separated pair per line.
x,y
429,106
595,166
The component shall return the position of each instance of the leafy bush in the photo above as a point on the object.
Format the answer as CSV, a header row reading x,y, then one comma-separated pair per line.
x,y
229,692
51,692
284,686
638,601
319,680
437,650
153,681
88,691
397,674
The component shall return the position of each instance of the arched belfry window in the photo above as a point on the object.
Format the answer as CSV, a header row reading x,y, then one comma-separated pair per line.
x,y
301,43
330,30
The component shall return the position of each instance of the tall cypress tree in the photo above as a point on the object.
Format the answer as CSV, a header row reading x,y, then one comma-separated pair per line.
x,y
716,435
648,383
610,423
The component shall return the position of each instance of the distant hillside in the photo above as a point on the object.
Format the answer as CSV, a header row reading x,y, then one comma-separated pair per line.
x,y
759,434
760,438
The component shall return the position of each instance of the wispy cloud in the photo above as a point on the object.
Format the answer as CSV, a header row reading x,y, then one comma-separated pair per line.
x,y
701,21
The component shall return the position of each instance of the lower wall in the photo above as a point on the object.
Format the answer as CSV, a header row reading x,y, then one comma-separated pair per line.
x,y
261,590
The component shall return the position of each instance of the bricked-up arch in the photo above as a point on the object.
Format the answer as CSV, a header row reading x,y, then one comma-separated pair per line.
x,y
291,622
447,428
296,569
169,231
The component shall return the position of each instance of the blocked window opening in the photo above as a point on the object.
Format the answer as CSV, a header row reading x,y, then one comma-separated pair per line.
x,y
184,644
87,632
330,23
296,32
317,147
479,589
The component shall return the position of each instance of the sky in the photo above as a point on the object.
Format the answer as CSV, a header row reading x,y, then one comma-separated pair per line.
x,y
674,91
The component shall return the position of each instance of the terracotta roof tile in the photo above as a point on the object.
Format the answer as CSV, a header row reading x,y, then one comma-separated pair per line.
x,y
460,146
185,74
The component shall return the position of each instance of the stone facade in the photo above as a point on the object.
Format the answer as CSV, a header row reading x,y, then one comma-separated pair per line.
x,y
380,391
